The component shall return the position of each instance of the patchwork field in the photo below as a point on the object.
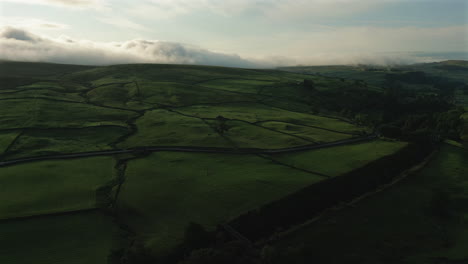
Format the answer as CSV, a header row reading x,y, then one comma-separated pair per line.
x,y
127,106
6,138
52,186
406,224
40,142
73,239
153,195
165,191
338,160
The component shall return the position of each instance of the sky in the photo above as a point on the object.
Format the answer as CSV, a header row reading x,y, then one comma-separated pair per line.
x,y
237,33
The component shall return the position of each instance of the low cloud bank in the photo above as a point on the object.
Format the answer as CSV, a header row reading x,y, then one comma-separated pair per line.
x,y
21,45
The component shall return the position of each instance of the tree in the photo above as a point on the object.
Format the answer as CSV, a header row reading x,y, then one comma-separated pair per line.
x,y
221,125
233,252
195,236
309,84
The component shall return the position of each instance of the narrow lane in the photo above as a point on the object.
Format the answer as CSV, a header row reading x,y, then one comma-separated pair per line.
x,y
190,149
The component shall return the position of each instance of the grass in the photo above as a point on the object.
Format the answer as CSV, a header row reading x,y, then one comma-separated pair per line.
x,y
6,138
52,186
37,69
206,92
166,190
39,113
338,160
37,142
47,85
162,127
187,74
398,225
310,133
260,113
245,135
117,95
180,94
72,239
238,85
43,93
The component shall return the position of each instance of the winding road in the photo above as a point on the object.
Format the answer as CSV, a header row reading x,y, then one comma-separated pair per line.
x,y
190,149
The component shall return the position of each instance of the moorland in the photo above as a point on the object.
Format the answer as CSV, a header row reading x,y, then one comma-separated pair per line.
x,y
153,163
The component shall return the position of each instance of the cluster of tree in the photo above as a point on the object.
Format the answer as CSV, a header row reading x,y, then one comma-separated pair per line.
x,y
399,112
220,124
308,202
13,82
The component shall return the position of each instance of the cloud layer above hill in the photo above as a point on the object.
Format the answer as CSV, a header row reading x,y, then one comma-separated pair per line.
x,y
22,45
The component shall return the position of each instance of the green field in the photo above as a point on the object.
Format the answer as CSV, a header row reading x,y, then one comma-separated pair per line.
x,y
165,191
399,225
49,209
33,94
238,85
162,127
6,138
40,113
260,113
181,94
308,132
172,105
246,135
39,142
72,239
52,186
338,160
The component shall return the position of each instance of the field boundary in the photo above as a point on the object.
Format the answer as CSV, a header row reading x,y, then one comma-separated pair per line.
x,y
149,149
314,199
61,213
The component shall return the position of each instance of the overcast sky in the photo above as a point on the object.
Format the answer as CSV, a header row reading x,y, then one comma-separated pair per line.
x,y
241,33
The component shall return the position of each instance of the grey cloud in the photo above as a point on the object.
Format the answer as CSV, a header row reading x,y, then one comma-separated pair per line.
x,y
72,2
48,25
18,34
20,45
171,52
64,3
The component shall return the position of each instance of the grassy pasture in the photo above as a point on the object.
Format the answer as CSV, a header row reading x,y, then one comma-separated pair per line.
x,y
338,160
166,190
40,113
43,93
397,225
179,94
162,127
48,85
260,113
311,133
36,142
238,85
187,74
52,186
116,95
346,72
246,135
71,239
6,138
37,69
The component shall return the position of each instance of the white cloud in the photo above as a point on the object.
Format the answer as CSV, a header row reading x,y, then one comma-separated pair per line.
x,y
122,22
21,45
383,39
63,3
31,23
342,46
279,9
